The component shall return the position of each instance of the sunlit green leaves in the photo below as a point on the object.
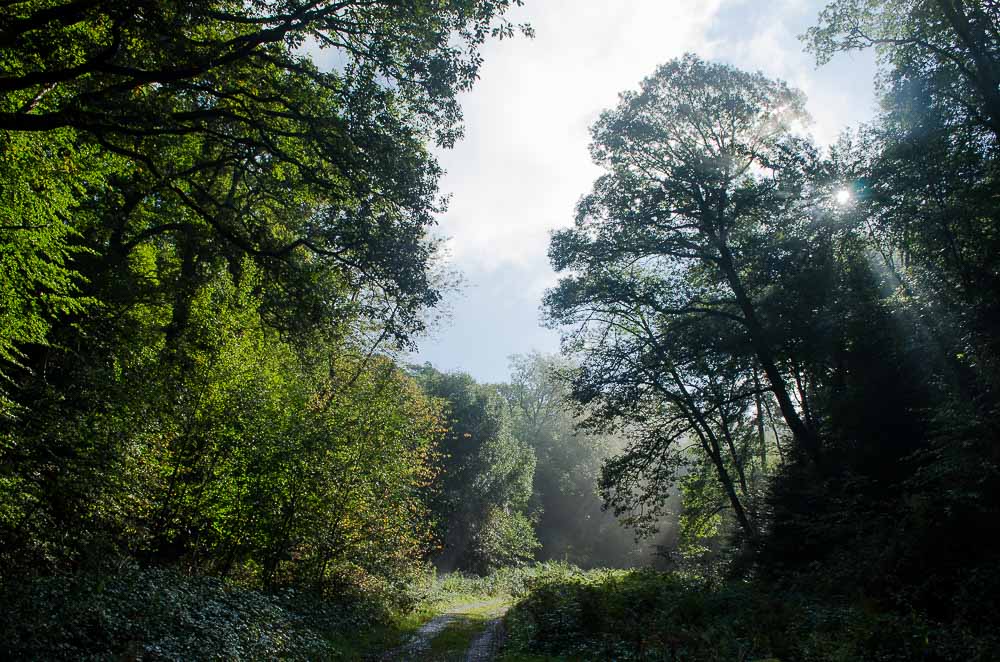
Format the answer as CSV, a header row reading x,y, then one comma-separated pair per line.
x,y
43,182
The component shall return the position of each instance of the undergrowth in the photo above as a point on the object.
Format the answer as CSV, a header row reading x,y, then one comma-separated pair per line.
x,y
128,612
647,615
160,614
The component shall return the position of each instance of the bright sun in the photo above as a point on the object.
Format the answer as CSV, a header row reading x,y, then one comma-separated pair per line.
x,y
843,196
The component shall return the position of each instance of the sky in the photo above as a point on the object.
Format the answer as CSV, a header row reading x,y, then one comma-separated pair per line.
x,y
524,161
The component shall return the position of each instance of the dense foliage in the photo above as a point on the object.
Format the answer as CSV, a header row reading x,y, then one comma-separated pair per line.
x,y
517,478
247,457
644,615
486,478
211,247
807,342
227,141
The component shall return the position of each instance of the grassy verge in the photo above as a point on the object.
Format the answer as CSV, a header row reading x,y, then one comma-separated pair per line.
x,y
158,614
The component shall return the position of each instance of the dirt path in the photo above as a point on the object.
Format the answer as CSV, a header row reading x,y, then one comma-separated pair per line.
x,y
482,647
420,643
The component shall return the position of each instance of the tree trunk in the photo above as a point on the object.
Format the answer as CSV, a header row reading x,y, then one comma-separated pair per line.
x,y
804,436
761,435
710,444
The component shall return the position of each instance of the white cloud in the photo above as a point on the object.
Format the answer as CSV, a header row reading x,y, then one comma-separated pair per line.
x,y
524,162
839,94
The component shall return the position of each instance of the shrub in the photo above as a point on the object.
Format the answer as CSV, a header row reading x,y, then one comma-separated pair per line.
x,y
646,615
159,614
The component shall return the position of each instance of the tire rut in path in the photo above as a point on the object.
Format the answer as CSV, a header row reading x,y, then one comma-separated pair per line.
x,y
487,643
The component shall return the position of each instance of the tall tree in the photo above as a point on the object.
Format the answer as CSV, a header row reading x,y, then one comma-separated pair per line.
x,y
702,162
670,263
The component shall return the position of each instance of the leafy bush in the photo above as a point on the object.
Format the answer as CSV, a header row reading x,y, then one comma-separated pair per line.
x,y
513,581
505,539
158,614
646,615
607,614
